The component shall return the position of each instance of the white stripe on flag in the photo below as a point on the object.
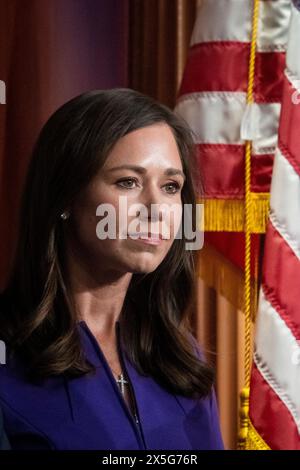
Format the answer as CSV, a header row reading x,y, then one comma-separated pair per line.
x,y
285,202
215,118
292,55
277,356
267,118
273,25
230,20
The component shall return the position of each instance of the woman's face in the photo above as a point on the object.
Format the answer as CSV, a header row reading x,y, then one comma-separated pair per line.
x,y
144,167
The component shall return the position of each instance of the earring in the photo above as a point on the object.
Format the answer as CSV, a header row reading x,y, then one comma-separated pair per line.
x,y
65,215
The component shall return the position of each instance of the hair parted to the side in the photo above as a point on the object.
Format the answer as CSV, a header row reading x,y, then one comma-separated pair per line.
x,y
37,315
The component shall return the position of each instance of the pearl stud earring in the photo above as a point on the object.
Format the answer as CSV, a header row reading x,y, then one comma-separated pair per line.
x,y
65,215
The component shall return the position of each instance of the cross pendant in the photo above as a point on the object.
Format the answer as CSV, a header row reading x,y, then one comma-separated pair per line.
x,y
121,381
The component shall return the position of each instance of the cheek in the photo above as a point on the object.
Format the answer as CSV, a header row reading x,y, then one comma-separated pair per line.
x,y
93,248
91,208
172,222
86,223
177,218
83,231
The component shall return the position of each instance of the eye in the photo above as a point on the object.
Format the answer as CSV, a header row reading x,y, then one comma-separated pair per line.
x,y
175,187
123,183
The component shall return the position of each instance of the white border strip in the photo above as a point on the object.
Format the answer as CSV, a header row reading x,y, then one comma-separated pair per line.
x,y
285,202
292,56
277,357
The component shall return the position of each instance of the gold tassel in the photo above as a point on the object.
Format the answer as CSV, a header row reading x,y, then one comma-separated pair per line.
x,y
249,438
228,215
254,441
244,418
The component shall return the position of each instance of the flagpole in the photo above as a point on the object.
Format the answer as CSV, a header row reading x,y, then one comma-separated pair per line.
x,y
244,395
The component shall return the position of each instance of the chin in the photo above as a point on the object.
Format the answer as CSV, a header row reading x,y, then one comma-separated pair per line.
x,y
142,267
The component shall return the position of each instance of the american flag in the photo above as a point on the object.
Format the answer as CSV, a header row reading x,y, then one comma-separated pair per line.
x,y
275,379
212,97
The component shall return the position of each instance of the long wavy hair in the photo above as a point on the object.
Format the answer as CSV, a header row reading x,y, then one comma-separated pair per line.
x,y
38,320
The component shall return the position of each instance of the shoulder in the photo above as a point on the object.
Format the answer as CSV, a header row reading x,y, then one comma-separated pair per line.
x,y
4,444
15,390
12,372
23,405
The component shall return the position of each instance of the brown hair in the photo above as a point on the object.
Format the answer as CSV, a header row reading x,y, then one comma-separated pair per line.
x,y
37,319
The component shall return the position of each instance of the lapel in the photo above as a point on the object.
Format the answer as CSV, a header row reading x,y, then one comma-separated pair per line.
x,y
163,416
167,421
97,403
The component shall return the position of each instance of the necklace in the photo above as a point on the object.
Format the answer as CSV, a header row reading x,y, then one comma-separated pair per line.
x,y
121,381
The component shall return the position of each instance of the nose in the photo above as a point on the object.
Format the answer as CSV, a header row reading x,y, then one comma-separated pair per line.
x,y
153,200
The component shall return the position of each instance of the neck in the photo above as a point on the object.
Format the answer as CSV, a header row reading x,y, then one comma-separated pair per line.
x,y
98,296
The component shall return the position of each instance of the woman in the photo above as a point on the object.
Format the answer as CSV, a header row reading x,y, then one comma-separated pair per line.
x,y
101,354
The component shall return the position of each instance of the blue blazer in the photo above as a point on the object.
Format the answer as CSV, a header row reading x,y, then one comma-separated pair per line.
x,y
89,412
4,445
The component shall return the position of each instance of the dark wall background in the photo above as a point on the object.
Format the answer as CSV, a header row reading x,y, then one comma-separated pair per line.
x,y
50,51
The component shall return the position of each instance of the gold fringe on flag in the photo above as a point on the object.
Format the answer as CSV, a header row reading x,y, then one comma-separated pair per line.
x,y
229,214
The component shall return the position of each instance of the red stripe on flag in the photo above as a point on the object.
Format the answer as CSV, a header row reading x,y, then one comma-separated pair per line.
x,y
223,166
223,66
280,280
270,417
289,135
213,67
268,82
261,172
231,245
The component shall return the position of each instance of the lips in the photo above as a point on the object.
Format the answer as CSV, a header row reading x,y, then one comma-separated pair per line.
x,y
147,236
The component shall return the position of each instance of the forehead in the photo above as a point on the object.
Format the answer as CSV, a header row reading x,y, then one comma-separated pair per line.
x,y
153,145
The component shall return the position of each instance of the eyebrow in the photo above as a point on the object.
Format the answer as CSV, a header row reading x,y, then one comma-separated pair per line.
x,y
142,170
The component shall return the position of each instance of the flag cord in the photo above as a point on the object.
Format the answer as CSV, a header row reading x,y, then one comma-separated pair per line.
x,y
244,396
